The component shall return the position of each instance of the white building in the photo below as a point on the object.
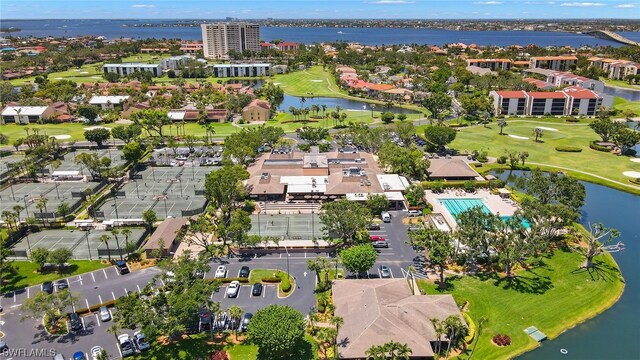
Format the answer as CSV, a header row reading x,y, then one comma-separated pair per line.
x,y
129,68
220,38
174,62
240,70
109,102
558,63
25,114
560,79
570,101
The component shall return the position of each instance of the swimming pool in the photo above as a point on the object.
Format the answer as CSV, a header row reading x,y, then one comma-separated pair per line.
x,y
456,206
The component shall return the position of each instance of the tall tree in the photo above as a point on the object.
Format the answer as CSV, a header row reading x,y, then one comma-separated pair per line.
x,y
98,136
538,132
439,136
277,329
502,123
439,246
476,231
224,188
359,259
235,313
51,307
344,219
437,103
406,161
126,133
597,240
511,244
152,120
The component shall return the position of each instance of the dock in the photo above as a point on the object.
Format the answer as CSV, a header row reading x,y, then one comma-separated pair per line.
x,y
610,35
536,334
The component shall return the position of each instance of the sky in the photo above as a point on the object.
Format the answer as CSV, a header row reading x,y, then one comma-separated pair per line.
x,y
317,9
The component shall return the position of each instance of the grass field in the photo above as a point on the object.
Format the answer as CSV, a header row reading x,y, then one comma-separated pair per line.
x,y
605,165
27,275
620,83
623,104
553,296
75,130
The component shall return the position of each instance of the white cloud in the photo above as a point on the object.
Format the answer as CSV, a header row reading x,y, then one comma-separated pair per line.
x,y
392,2
628,6
488,3
143,6
582,4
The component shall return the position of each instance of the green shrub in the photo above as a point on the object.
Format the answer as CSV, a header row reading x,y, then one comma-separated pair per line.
x,y
597,147
271,279
324,147
94,308
469,186
492,184
472,328
568,149
285,284
304,147
572,119
502,160
456,125
228,280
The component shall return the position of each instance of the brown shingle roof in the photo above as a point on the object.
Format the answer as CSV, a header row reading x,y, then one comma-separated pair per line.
x,y
376,311
168,231
450,168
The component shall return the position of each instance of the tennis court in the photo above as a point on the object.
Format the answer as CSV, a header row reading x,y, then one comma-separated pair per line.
x,y
81,243
289,227
68,163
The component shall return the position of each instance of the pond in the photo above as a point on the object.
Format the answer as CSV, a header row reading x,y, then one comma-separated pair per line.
x,y
628,94
331,103
614,333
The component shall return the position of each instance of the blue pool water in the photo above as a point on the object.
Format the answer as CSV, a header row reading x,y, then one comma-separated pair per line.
x,y
456,206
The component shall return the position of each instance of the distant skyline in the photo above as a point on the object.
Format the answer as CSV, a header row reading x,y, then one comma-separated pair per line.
x,y
314,9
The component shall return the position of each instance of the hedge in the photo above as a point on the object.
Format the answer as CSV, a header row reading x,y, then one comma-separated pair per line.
x,y
597,147
94,308
228,280
568,149
271,279
454,125
285,285
472,328
461,184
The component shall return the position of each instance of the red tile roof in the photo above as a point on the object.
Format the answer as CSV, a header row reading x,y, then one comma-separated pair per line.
x,y
512,94
546,95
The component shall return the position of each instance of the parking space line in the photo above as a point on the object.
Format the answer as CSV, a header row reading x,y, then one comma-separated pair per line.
x,y
118,344
84,326
264,291
73,307
225,293
391,272
105,274
14,297
93,277
100,298
162,282
80,278
87,302
98,320
138,286
114,296
379,274
28,293
126,292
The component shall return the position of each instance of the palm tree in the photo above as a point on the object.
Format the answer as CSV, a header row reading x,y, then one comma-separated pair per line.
x,y
336,321
105,239
456,330
326,338
302,100
373,108
115,233
343,117
502,123
439,330
315,109
42,204
324,109
538,132
376,352
235,312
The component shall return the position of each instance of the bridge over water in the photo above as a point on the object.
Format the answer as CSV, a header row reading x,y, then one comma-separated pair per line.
x,y
610,35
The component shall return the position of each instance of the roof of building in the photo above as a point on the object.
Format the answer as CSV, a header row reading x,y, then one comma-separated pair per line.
x,y
551,58
580,93
240,65
488,60
112,99
538,83
518,94
476,70
167,231
547,95
451,168
376,311
259,103
131,65
392,182
24,110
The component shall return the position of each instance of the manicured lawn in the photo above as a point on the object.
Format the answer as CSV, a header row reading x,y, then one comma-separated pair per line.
x,y
620,83
553,296
623,104
579,134
198,346
314,81
26,274
87,73
75,130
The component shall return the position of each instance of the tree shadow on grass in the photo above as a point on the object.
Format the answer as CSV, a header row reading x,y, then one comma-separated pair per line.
x,y
600,271
303,350
535,284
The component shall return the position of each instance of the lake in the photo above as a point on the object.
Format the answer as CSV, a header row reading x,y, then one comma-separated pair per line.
x,y
113,29
614,333
628,94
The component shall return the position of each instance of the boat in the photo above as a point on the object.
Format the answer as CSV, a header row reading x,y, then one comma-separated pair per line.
x,y
340,32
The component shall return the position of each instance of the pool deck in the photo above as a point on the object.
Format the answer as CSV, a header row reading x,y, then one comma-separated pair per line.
x,y
493,202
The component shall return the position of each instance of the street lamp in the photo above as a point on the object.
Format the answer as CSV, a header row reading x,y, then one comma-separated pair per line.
x,y
87,237
28,243
26,207
137,191
115,200
166,213
287,250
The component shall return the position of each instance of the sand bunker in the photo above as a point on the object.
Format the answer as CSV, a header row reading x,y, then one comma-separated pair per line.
x,y
519,137
96,127
316,80
61,137
632,174
635,160
547,128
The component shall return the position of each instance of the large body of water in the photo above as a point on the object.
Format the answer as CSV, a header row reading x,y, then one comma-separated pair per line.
x,y
614,333
370,36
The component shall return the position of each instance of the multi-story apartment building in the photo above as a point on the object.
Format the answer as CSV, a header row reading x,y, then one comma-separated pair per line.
x,y
560,79
558,63
190,47
570,101
174,62
129,68
493,64
615,69
240,70
220,38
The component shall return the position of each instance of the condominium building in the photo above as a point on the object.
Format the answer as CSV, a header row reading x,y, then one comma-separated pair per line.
x,y
129,68
560,79
614,68
190,47
175,62
240,70
493,64
220,38
558,63
570,101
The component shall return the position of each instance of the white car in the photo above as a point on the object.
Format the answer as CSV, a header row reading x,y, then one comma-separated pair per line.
x,y
126,345
95,352
232,290
140,341
105,315
415,213
221,272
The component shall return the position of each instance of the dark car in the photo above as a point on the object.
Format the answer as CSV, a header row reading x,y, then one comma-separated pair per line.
x,y
61,284
373,226
78,355
47,287
122,267
74,320
256,289
245,321
244,272
205,320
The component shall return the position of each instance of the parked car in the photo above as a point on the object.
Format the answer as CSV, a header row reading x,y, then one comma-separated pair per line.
x,y
380,244
3,346
126,346
59,356
413,228
221,321
95,352
140,341
205,320
61,284
75,322
234,323
373,226
233,289
246,318
78,355
244,272
384,271
105,315
221,272
256,289
47,287
377,238
122,267
415,213
386,217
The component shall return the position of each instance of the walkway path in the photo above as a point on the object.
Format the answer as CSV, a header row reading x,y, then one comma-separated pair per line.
x,y
587,173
